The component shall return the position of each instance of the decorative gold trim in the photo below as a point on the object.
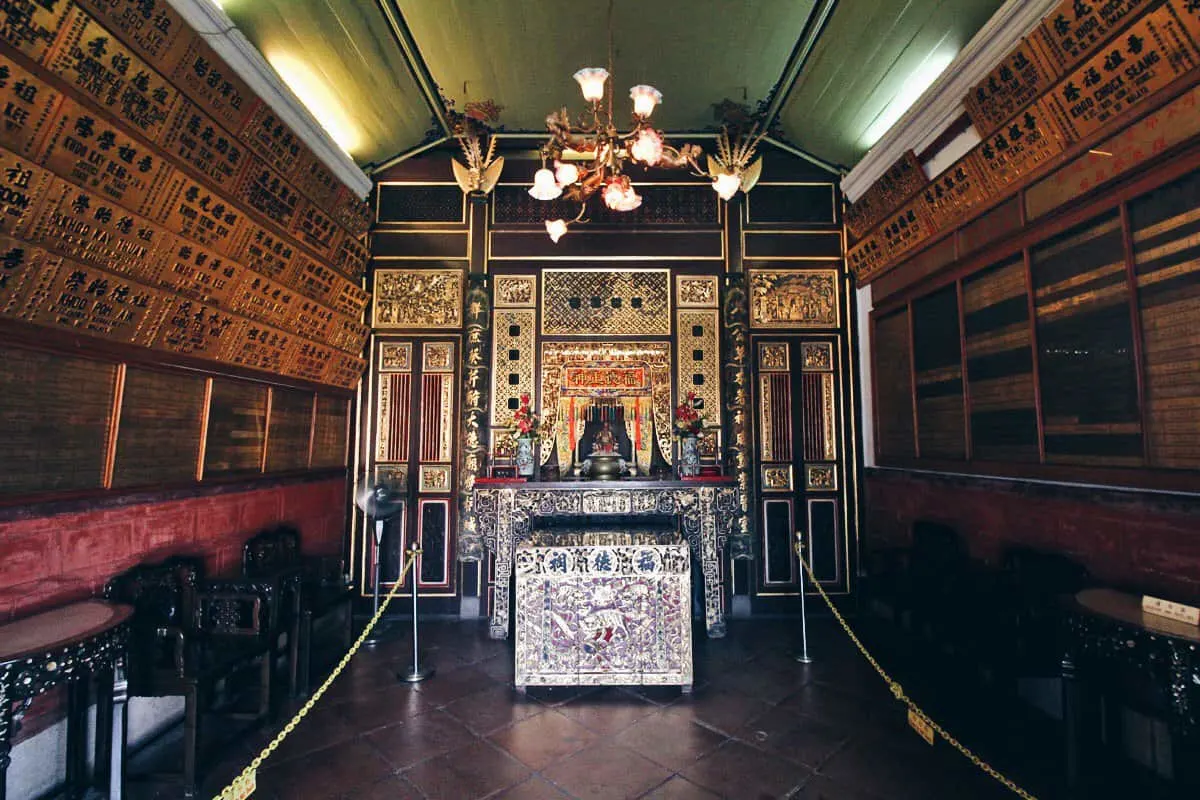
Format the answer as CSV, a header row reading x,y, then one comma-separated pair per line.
x,y
525,343
708,367
438,357
776,477
696,291
387,225
774,357
654,320
832,201
515,291
816,356
434,478
395,356
600,259
417,299
795,298
820,477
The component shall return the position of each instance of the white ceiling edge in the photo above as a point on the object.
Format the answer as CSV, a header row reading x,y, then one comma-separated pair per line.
x,y
211,22
941,104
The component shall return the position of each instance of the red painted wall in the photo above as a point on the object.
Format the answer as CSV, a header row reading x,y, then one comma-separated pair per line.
x,y
1136,541
51,560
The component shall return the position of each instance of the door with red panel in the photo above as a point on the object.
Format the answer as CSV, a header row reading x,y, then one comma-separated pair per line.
x,y
801,463
413,449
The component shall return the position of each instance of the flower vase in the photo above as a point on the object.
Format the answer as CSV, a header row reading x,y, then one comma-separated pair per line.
x,y
525,457
689,456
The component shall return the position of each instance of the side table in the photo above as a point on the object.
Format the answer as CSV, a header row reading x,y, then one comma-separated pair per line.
x,y
66,646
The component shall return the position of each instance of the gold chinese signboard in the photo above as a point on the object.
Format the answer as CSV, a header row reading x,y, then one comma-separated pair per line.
x,y
1075,29
1016,82
29,105
902,180
1030,140
951,195
1147,57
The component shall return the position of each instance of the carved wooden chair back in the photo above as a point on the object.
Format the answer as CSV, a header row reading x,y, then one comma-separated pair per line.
x,y
271,550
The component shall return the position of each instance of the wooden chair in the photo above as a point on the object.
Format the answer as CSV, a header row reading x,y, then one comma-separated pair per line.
x,y
185,640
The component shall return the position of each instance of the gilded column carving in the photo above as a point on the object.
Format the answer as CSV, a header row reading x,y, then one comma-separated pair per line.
x,y
737,406
475,412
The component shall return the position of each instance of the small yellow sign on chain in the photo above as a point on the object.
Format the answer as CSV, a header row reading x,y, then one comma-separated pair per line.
x,y
243,786
921,726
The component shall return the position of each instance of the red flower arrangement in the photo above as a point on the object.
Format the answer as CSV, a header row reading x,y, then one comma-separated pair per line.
x,y
525,423
688,419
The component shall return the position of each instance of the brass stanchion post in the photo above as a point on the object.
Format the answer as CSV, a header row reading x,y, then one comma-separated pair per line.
x,y
802,656
417,673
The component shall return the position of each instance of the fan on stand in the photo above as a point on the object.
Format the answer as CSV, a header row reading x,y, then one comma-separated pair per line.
x,y
380,502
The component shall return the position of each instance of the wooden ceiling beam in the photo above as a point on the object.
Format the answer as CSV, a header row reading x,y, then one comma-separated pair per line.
x,y
416,65
805,43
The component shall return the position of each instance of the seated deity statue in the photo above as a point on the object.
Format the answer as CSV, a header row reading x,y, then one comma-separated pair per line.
x,y
604,457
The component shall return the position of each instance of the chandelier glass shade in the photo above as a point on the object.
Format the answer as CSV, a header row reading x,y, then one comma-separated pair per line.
x,y
589,154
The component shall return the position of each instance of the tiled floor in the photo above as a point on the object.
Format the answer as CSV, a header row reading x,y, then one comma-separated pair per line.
x,y
759,725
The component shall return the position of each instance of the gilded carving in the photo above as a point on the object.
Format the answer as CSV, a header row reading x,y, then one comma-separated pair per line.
x,y
773,356
777,478
435,478
613,302
557,357
795,298
418,298
766,420
821,477
475,415
395,357
816,356
439,357
696,291
828,415
516,291
698,359
394,476
513,349
737,406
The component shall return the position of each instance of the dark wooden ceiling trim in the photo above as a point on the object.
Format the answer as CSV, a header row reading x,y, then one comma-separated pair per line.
x,y
805,43
416,64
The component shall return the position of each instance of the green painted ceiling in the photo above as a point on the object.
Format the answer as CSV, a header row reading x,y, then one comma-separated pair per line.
x,y
521,53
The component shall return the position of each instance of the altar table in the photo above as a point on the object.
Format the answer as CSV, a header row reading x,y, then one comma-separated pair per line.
x,y
707,512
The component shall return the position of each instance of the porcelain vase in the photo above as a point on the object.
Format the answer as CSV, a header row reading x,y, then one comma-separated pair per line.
x,y
689,456
525,457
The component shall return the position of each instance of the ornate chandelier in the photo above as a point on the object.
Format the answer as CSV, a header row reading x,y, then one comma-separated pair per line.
x,y
598,151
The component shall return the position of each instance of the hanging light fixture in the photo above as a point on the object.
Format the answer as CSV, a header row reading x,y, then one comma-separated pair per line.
x,y
603,150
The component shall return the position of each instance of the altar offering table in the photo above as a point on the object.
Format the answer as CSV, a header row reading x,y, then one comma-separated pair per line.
x,y
603,609
706,512
68,645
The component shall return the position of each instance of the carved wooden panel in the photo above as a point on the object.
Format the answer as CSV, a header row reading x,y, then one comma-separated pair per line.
x,y
514,332
696,291
55,416
237,422
399,203
697,360
807,298
609,302
158,440
418,298
393,417
515,291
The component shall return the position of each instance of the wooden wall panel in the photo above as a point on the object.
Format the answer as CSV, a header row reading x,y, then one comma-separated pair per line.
x,y
54,421
937,363
1085,346
1166,247
893,386
1000,364
329,432
158,438
237,427
289,435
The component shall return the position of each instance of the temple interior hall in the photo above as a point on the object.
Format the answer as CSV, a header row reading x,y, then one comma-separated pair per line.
x,y
663,399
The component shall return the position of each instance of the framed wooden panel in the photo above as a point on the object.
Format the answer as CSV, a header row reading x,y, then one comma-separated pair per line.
x,y
55,418
937,364
237,428
289,435
158,437
330,428
893,386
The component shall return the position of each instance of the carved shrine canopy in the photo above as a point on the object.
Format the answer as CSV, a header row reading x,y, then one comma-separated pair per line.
x,y
707,513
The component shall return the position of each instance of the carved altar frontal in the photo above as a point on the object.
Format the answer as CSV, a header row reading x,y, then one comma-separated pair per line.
x,y
603,609
707,513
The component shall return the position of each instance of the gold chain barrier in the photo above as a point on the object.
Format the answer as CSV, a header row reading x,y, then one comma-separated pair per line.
x,y
914,710
243,785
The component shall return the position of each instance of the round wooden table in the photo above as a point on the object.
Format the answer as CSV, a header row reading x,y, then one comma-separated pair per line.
x,y
69,645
